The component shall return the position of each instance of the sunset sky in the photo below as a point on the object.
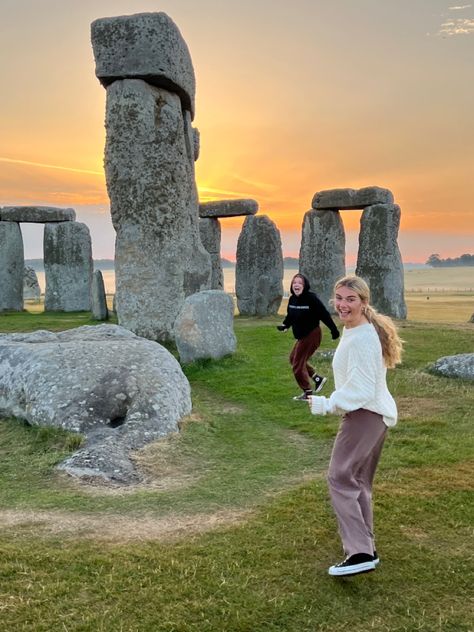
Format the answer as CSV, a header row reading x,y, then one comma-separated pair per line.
x,y
292,98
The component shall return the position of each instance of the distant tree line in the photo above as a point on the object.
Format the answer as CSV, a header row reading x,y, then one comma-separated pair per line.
x,y
436,262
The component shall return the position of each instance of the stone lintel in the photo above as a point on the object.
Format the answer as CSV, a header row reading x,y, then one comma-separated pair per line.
x,y
348,199
147,46
228,208
37,214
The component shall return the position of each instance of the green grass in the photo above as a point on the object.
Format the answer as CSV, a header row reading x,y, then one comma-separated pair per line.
x,y
76,558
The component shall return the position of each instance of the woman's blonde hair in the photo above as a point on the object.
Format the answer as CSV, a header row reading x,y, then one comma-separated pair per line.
x,y
384,326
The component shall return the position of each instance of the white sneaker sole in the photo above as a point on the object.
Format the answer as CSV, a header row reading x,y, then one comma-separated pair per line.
x,y
355,569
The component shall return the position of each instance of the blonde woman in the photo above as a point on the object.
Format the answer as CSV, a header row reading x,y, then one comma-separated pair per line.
x,y
369,345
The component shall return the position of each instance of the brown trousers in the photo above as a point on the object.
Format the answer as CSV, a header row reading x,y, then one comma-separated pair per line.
x,y
299,356
354,459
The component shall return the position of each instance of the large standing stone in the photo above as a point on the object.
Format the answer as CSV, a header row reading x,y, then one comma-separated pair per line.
x,y
37,214
67,267
322,251
119,390
259,268
205,326
144,46
210,231
12,264
379,261
351,198
31,288
149,166
98,298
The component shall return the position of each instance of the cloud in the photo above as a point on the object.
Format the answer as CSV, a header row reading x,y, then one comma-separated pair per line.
x,y
460,8
460,26
42,165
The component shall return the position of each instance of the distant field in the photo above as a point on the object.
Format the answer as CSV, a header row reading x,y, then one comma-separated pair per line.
x,y
440,279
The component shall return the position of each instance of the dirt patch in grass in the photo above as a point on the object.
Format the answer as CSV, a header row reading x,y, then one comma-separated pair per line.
x,y
424,482
116,528
419,407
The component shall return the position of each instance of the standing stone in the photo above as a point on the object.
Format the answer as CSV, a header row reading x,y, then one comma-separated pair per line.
x,y
379,261
259,268
144,63
31,288
98,298
67,267
322,251
149,166
12,265
210,231
205,326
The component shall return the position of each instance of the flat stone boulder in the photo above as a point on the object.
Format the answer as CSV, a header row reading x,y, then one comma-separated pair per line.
x,y
119,390
145,46
457,366
205,326
228,208
31,288
351,198
37,214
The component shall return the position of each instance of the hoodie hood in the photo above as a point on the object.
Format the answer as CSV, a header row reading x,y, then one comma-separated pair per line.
x,y
307,285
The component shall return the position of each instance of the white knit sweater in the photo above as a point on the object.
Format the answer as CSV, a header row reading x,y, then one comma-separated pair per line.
x,y
359,377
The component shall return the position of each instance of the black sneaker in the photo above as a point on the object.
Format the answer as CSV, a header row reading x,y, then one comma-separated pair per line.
x,y
305,395
319,382
354,565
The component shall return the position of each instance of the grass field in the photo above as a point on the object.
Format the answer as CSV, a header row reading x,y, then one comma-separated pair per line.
x,y
233,530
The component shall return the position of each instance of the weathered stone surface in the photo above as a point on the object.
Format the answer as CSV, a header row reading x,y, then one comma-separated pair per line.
x,y
228,208
31,288
196,143
149,166
68,267
471,320
379,261
457,366
322,252
205,326
339,199
36,214
98,299
119,390
259,268
210,231
144,46
12,265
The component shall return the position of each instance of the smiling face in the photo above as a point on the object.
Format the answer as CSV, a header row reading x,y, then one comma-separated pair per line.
x,y
349,307
297,285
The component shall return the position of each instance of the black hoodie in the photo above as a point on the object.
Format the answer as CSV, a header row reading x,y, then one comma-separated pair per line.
x,y
305,311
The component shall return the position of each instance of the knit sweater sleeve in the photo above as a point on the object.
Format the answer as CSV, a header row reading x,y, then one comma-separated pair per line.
x,y
358,386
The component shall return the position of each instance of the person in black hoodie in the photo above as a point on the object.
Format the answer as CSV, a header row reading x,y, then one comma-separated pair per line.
x,y
305,311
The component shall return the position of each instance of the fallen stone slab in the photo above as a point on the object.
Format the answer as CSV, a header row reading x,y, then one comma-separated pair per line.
x,y
228,208
117,389
145,46
456,366
37,214
347,199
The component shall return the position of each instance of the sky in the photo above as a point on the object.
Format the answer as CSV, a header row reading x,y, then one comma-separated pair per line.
x,y
292,98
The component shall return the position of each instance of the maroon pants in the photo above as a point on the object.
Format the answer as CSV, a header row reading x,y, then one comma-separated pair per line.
x,y
300,355
352,468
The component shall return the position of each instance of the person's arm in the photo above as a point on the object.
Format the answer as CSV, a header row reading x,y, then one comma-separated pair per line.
x,y
287,321
326,318
358,389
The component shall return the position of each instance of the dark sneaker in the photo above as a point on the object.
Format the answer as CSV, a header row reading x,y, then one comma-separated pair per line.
x,y
353,565
319,382
376,559
305,395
